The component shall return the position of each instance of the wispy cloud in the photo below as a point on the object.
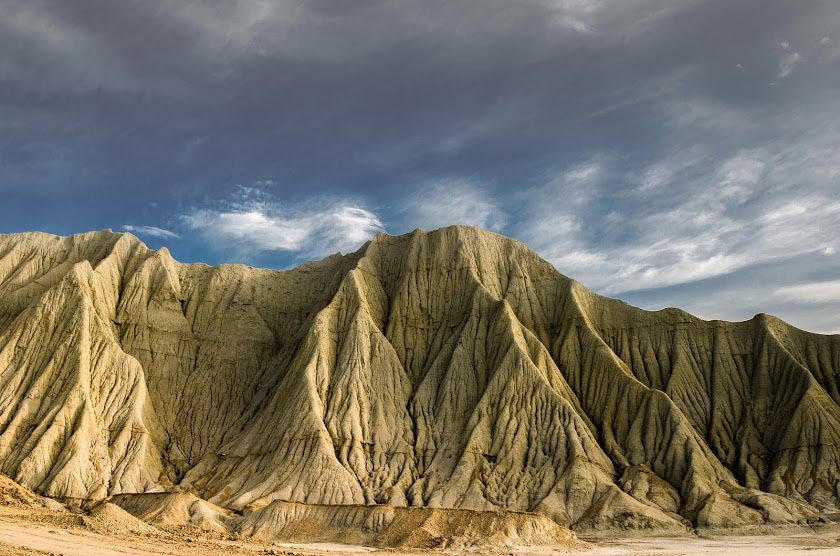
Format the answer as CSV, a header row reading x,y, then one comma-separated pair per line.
x,y
788,64
664,171
257,223
738,176
454,201
724,215
812,292
574,15
153,231
554,219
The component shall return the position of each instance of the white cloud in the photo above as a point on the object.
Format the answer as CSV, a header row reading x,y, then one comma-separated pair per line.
x,y
260,226
719,214
812,292
454,201
582,175
153,231
554,218
574,15
739,175
755,206
825,40
658,174
787,65
704,114
571,22
701,239
664,171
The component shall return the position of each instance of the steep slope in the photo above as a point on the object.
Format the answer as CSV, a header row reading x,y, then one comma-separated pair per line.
x,y
448,369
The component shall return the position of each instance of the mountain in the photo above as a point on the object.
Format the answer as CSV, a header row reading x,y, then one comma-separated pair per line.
x,y
448,369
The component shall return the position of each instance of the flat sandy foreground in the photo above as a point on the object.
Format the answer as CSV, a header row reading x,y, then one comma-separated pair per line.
x,y
23,533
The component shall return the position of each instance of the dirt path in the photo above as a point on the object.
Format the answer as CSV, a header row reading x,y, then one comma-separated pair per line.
x,y
39,538
817,544
47,539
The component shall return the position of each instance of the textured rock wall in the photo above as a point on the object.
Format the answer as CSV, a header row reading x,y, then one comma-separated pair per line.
x,y
445,369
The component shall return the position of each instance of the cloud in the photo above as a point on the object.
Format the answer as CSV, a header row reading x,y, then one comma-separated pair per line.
x,y
574,15
728,235
813,292
572,22
739,175
664,171
255,226
702,114
613,137
724,214
706,207
552,218
787,65
153,231
453,201
771,287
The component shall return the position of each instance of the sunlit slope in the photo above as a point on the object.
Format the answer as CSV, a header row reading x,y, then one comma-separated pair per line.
x,y
446,369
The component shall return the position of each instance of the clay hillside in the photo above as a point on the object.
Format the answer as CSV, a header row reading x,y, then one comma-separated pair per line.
x,y
450,369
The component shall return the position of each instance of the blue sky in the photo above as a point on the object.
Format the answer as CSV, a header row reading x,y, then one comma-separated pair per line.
x,y
669,153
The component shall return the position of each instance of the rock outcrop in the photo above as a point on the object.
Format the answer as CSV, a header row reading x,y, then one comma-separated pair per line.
x,y
451,369
390,527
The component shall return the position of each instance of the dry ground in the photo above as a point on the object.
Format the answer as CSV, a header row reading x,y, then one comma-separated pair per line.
x,y
41,532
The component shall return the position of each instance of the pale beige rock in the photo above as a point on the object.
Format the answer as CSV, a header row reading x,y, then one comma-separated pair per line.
x,y
12,494
169,510
108,519
387,526
451,369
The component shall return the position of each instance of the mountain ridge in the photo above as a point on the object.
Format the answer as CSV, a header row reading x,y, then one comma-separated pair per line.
x,y
452,368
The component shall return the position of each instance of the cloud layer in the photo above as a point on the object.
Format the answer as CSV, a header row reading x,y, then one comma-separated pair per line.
x,y
667,152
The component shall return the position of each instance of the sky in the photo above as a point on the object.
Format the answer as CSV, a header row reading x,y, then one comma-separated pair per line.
x,y
666,152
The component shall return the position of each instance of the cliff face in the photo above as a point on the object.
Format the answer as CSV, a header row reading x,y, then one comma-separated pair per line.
x,y
445,369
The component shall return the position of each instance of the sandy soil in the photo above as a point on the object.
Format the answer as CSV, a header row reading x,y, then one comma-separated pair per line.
x,y
31,532
822,543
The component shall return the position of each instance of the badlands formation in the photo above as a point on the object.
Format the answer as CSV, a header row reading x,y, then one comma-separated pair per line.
x,y
385,395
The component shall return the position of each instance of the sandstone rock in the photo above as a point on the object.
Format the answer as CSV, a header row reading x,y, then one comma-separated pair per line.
x,y
391,527
108,519
450,369
175,510
12,494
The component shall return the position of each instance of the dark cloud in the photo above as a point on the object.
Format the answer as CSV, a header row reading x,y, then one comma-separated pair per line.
x,y
636,144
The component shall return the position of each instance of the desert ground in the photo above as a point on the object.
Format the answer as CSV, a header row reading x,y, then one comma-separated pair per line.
x,y
27,532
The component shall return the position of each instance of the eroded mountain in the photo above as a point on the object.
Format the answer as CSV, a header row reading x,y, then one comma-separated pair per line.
x,y
449,369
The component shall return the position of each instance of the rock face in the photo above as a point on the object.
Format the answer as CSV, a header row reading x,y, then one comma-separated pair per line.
x,y
451,369
389,527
